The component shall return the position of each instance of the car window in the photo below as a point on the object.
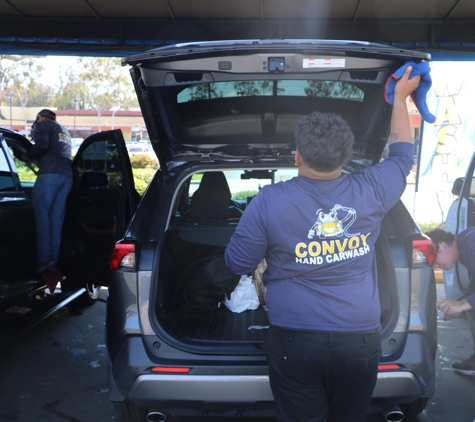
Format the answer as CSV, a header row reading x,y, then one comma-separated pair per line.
x,y
99,166
300,88
472,188
327,89
27,173
245,184
6,179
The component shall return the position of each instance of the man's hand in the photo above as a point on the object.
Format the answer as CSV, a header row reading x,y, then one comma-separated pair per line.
x,y
405,86
452,308
400,127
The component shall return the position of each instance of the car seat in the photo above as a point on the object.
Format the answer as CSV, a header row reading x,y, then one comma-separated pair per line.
x,y
93,179
212,200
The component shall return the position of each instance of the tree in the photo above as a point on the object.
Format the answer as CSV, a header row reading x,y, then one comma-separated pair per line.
x,y
333,90
203,92
253,88
95,83
106,84
71,91
20,78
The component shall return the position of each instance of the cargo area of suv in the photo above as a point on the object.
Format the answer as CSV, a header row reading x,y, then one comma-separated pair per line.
x,y
191,237
226,111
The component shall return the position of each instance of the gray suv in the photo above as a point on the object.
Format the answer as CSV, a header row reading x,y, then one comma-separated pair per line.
x,y
221,117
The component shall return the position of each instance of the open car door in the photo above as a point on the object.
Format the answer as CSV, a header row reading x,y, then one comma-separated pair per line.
x,y
461,215
99,207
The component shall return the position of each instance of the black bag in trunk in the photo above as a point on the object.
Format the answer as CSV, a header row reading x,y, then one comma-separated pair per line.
x,y
205,284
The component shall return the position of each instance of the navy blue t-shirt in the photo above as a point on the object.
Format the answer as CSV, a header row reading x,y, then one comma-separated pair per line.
x,y
466,247
52,148
318,237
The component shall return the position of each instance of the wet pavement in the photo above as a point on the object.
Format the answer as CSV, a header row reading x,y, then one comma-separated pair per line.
x,y
57,372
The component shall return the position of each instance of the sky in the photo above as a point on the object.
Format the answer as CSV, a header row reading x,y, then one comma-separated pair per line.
x,y
52,65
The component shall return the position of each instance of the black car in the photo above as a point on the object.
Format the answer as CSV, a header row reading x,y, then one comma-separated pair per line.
x,y
221,117
99,207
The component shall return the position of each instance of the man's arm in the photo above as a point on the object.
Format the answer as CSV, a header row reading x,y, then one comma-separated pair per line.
x,y
400,127
41,137
452,308
248,244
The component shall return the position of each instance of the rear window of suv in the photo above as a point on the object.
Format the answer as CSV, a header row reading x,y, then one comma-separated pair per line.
x,y
299,88
244,184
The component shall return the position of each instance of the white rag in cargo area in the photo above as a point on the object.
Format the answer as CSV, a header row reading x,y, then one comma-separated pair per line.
x,y
244,297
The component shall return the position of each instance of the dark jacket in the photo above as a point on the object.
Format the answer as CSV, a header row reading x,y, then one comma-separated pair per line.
x,y
52,148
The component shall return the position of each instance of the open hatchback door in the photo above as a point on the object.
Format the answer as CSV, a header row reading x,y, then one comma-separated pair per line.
x,y
240,100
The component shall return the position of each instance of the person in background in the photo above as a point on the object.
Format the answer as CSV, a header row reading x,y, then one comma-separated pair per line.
x,y
453,248
52,150
323,345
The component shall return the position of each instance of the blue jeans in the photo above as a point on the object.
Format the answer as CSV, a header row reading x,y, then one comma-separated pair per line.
x,y
320,376
49,205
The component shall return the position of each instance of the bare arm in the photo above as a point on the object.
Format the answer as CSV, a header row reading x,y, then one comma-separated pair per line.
x,y
400,127
452,308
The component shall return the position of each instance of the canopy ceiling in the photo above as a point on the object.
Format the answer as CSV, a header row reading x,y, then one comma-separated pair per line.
x,y
444,28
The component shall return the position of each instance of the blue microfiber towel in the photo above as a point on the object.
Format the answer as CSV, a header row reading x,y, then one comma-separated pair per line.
x,y
419,95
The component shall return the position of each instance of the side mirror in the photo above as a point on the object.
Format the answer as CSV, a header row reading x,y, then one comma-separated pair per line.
x,y
457,186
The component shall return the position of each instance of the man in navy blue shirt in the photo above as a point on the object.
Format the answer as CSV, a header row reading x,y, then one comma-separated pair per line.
x,y
453,248
52,149
318,233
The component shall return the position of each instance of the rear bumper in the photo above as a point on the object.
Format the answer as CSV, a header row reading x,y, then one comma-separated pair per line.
x,y
154,389
415,379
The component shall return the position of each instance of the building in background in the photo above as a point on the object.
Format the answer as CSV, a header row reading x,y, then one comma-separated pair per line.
x,y
79,123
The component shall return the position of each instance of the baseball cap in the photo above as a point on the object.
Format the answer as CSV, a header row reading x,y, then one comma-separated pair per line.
x,y
47,113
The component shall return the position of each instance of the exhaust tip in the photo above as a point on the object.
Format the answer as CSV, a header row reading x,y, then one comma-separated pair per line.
x,y
156,416
393,414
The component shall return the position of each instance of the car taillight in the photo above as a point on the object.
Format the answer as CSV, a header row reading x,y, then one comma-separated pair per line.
x,y
122,256
388,367
423,252
171,370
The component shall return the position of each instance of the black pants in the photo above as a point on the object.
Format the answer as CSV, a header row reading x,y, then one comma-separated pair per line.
x,y
322,376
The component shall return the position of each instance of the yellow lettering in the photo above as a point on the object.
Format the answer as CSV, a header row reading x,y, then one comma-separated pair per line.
x,y
447,112
314,249
364,237
447,85
341,247
328,247
298,251
446,140
354,243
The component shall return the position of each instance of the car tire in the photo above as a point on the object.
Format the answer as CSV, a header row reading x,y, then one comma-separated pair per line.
x,y
129,410
89,297
414,408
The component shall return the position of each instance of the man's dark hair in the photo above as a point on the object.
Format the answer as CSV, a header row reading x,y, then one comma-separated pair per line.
x,y
439,235
324,141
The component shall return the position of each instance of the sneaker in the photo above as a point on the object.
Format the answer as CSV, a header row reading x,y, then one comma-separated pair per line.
x,y
466,367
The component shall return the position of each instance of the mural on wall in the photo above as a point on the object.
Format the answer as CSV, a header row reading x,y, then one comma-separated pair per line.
x,y
448,144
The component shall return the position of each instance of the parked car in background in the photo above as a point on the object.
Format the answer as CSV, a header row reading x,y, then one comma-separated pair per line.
x,y
135,149
98,209
221,116
141,148
75,144
18,240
